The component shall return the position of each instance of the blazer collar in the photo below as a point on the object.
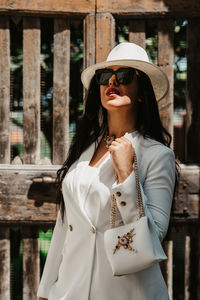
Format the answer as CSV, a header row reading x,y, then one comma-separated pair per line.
x,y
85,158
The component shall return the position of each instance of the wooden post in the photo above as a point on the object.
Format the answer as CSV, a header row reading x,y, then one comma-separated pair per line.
x,y
166,61
193,91
31,89
187,268
4,147
198,263
61,90
31,263
105,35
4,90
137,33
31,126
194,262
168,267
89,28
5,263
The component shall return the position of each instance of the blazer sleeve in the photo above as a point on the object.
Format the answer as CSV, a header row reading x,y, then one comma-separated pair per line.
x,y
157,192
54,257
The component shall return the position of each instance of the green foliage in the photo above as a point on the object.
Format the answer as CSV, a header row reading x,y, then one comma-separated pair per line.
x,y
16,61
180,63
45,239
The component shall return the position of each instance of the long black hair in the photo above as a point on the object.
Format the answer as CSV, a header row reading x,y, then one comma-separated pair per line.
x,y
94,123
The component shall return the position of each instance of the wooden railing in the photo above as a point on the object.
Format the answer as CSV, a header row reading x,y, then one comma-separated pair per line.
x,y
27,189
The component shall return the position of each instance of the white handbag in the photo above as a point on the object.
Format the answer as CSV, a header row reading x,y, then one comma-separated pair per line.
x,y
132,247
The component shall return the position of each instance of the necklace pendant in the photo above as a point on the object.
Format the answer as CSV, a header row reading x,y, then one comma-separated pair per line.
x,y
109,140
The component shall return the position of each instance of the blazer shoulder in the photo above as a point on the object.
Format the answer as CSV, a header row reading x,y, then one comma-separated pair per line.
x,y
153,149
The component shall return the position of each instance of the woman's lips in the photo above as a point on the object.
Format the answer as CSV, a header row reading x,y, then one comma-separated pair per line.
x,y
112,92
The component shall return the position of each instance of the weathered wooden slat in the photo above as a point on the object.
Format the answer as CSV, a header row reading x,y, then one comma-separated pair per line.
x,y
89,37
24,197
48,7
5,263
193,90
186,205
168,267
31,89
89,27
4,148
190,178
187,201
105,35
152,7
166,61
137,33
187,268
127,7
31,263
194,234
4,90
198,265
61,90
28,194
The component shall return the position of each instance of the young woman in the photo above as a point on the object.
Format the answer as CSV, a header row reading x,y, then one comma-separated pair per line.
x,y
120,119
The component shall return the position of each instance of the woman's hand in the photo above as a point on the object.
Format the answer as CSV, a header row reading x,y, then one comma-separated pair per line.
x,y
122,153
40,298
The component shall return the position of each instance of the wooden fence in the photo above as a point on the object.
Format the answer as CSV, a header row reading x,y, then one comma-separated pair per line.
x,y
27,191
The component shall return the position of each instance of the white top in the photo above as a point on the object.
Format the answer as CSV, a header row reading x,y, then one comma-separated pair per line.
x,y
77,267
93,205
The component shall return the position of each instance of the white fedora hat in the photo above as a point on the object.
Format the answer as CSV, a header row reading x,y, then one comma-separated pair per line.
x,y
131,55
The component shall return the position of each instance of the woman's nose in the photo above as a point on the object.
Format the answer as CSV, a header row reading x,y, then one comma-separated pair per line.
x,y
113,81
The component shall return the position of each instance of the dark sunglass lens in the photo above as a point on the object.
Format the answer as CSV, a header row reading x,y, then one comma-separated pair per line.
x,y
102,76
125,76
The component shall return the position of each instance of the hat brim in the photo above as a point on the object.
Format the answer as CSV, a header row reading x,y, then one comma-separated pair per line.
x,y
158,78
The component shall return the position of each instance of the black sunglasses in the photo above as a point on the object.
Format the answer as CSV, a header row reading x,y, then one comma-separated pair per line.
x,y
123,75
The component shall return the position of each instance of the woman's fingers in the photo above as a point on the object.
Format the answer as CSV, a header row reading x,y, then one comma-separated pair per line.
x,y
119,140
122,141
122,153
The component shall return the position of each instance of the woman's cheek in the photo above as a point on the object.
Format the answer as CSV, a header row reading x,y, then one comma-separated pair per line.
x,y
102,95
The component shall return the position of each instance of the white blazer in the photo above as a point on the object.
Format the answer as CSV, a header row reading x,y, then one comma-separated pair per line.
x,y
76,267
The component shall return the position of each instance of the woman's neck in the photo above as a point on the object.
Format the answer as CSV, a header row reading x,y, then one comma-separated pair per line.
x,y
120,122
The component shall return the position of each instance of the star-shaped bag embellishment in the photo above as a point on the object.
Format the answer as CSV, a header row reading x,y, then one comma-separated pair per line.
x,y
125,241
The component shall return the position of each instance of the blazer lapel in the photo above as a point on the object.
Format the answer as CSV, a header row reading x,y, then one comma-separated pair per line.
x,y
81,194
86,156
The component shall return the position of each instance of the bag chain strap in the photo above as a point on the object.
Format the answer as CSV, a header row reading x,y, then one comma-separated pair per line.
x,y
139,203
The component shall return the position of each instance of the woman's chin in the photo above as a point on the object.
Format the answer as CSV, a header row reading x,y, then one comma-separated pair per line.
x,y
117,102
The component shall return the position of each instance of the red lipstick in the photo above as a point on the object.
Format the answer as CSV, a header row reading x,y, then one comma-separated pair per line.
x,y
111,92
